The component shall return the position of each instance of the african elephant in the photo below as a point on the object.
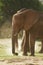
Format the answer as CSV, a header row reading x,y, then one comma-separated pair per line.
x,y
23,21
16,37
41,51
36,32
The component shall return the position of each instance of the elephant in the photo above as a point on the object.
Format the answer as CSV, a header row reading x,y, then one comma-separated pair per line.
x,y
16,37
41,51
24,20
23,38
36,32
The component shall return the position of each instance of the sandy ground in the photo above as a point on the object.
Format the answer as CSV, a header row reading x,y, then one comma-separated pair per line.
x,y
22,60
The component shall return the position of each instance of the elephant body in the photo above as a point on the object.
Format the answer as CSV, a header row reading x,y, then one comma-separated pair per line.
x,y
36,32
25,20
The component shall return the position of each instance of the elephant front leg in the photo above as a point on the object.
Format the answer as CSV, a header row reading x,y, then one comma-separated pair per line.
x,y
32,45
14,44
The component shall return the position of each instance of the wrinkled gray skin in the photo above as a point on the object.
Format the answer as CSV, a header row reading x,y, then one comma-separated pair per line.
x,y
24,21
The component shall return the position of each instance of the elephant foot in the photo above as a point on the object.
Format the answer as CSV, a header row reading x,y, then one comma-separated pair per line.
x,y
41,51
32,55
15,54
25,54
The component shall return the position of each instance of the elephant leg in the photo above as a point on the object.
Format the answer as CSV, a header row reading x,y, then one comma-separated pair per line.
x,y
41,51
26,44
14,43
32,45
23,42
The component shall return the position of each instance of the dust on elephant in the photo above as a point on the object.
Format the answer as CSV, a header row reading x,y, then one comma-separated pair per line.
x,y
23,21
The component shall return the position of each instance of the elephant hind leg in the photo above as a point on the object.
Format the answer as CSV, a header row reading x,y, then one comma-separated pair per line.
x,y
23,41
26,44
32,45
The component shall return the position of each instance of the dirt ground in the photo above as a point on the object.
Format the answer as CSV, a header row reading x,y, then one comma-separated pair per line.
x,y
22,61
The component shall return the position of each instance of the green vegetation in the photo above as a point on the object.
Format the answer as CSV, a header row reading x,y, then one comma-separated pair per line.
x,y
9,7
